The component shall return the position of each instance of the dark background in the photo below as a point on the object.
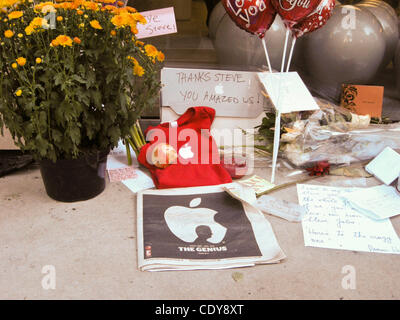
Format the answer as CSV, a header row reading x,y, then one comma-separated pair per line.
x,y
239,238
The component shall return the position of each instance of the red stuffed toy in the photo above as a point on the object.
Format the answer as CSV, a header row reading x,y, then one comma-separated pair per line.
x,y
191,157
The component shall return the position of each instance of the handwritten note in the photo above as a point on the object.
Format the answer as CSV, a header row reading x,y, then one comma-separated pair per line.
x,y
288,92
159,22
257,183
378,202
231,93
330,222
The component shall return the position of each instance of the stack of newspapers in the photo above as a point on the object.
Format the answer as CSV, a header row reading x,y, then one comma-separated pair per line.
x,y
211,227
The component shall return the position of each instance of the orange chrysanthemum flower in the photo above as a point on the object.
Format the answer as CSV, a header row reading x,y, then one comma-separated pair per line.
x,y
21,61
8,33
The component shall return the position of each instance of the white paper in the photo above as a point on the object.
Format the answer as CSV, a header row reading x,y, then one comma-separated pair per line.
x,y
141,182
378,202
385,166
287,91
330,222
159,22
117,158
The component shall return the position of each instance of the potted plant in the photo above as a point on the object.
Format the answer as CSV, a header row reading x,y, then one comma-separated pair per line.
x,y
74,80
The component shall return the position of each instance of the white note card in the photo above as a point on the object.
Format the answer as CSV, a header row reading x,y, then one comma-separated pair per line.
x,y
287,91
378,202
330,222
385,166
159,22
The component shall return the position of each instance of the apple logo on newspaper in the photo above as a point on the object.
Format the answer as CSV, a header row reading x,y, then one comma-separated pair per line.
x,y
183,221
186,151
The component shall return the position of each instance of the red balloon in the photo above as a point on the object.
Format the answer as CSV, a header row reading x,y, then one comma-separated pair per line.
x,y
294,11
254,16
316,19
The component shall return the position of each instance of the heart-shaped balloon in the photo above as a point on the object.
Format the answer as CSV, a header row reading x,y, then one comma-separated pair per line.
x,y
254,16
316,19
294,11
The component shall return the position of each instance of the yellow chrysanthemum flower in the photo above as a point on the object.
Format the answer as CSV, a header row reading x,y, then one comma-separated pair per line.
x,y
90,5
138,70
21,61
14,65
151,50
18,93
8,3
139,18
62,40
77,40
8,33
134,61
29,30
38,60
118,21
160,56
15,15
60,18
95,24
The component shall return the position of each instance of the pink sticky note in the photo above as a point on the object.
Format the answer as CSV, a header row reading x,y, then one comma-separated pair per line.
x,y
121,174
159,22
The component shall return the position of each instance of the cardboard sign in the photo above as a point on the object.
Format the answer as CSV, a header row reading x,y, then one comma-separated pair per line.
x,y
288,92
230,93
159,22
363,100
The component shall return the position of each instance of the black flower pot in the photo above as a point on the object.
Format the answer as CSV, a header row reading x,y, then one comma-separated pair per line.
x,y
75,180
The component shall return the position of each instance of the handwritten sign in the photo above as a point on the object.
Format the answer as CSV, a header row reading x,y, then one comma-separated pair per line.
x,y
159,22
330,222
230,93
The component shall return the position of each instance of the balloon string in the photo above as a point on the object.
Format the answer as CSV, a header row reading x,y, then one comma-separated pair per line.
x,y
291,53
284,50
266,54
276,142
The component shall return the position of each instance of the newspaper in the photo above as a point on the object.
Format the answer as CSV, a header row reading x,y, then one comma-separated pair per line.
x,y
202,228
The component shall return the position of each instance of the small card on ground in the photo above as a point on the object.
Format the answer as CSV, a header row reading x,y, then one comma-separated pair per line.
x,y
258,184
385,166
120,174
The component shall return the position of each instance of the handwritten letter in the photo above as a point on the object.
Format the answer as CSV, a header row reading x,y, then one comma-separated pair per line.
x,y
331,223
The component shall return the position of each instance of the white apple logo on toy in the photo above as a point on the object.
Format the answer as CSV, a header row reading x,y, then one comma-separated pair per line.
x,y
186,151
183,221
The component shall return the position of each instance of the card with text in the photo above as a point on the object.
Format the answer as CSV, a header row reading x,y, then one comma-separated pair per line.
x,y
159,22
287,92
363,100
